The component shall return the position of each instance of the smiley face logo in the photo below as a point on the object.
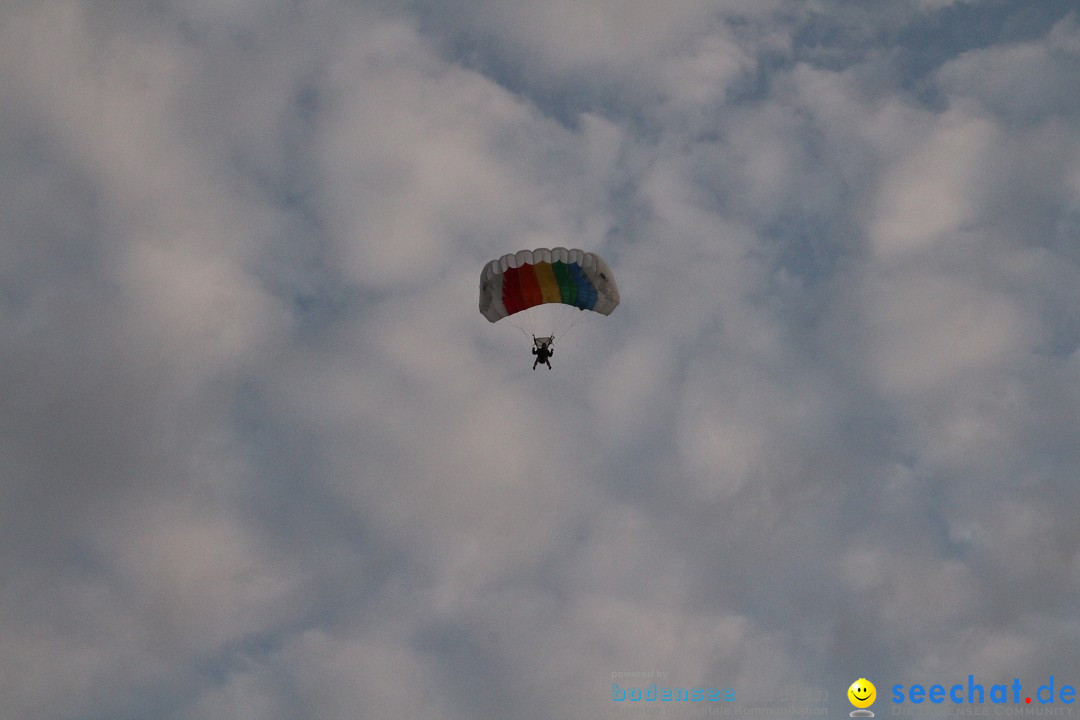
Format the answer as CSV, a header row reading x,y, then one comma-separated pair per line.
x,y
862,693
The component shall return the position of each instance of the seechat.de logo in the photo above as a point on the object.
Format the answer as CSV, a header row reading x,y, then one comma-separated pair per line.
x,y
862,694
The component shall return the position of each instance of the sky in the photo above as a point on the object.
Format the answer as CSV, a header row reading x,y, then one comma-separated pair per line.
x,y
262,458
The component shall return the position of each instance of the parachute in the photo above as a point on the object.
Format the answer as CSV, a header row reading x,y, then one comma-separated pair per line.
x,y
520,283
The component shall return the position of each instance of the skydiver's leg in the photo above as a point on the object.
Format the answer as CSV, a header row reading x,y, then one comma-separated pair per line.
x,y
535,362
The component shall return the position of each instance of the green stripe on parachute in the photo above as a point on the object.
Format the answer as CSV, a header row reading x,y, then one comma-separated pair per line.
x,y
567,286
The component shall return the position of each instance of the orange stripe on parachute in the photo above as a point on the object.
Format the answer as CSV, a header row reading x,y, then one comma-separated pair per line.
x,y
530,287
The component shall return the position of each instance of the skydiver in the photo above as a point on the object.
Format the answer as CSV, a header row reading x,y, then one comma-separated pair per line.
x,y
542,353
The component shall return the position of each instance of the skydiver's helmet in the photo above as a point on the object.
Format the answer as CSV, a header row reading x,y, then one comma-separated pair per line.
x,y
543,341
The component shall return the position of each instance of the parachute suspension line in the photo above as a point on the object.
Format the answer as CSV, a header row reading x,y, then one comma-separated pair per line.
x,y
576,319
525,332
549,320
525,322
569,318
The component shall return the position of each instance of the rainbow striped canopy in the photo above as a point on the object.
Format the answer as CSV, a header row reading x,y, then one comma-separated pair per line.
x,y
528,278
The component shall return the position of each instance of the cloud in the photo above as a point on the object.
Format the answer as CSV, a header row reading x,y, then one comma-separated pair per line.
x,y
264,458
1021,82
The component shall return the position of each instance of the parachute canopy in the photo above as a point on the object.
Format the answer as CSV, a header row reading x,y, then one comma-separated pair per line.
x,y
528,278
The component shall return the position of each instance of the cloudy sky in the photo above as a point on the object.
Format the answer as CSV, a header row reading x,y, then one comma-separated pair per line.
x,y
261,458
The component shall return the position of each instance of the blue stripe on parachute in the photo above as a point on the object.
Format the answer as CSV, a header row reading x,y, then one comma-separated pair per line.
x,y
586,292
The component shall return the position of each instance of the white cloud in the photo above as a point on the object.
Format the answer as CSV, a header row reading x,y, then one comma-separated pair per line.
x,y
265,459
934,194
1024,81
609,38
418,157
931,332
